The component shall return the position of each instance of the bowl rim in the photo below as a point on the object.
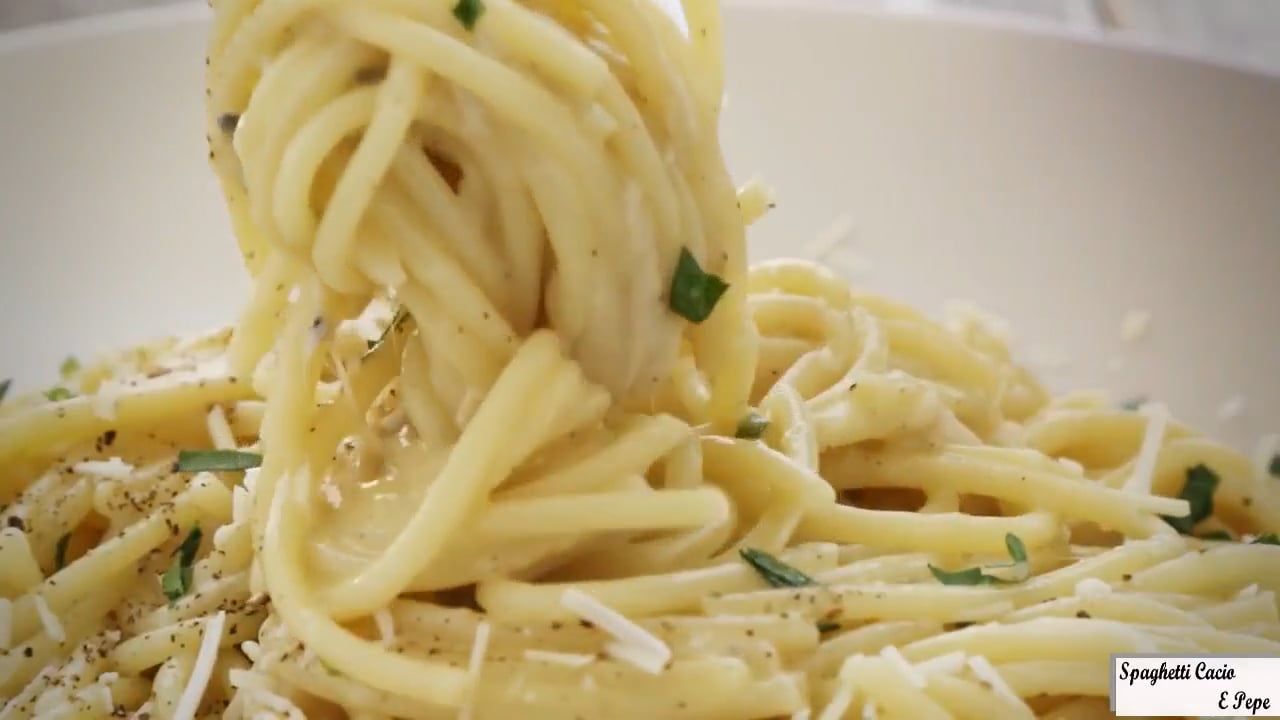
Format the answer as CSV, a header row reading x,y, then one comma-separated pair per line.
x,y
62,32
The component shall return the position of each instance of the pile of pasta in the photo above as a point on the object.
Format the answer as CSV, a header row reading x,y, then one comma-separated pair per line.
x,y
509,429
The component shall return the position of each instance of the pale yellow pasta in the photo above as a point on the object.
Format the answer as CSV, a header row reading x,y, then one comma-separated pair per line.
x,y
508,428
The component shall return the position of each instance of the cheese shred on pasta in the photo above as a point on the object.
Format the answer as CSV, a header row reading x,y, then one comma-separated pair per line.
x,y
509,428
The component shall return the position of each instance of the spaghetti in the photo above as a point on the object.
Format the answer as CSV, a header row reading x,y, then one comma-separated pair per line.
x,y
509,429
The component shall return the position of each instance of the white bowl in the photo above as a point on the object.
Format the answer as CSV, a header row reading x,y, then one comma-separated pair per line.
x,y
1055,181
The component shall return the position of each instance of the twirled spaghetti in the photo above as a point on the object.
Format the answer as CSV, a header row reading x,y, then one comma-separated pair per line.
x,y
509,429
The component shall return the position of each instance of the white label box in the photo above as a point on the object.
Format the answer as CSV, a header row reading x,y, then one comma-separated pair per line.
x,y
1195,685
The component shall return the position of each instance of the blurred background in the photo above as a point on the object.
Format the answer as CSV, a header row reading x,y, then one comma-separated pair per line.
x,y
1236,31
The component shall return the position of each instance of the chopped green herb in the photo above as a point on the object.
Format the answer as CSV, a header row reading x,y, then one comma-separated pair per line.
x,y
397,322
694,293
1273,467
971,576
752,426
826,627
976,576
58,394
1132,404
4,389
1217,535
69,367
774,571
60,552
468,12
217,460
1198,492
1266,539
176,581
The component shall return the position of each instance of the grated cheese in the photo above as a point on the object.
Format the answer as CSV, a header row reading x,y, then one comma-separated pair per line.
x,y
801,714
840,702
112,469
386,627
558,658
1231,408
220,430
962,315
949,664
1134,325
636,645
202,670
983,670
1248,592
1075,467
103,402
1089,588
332,494
1145,465
251,650
894,656
6,623
103,695
869,711
108,678
479,648
52,626
1263,453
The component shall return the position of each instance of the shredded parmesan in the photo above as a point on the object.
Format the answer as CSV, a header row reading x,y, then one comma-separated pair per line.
x,y
220,430
6,623
331,493
113,469
1145,464
386,627
894,656
840,701
102,694
1092,588
251,650
801,714
479,648
949,664
1134,325
984,671
1248,592
558,658
1231,408
52,626
1075,467
103,402
635,644
202,670
962,315
869,711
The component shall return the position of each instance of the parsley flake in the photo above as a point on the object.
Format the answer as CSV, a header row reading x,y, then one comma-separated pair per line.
x,y
1273,468
176,581
826,627
58,394
468,12
752,426
1216,536
976,576
1134,403
4,389
774,571
1198,492
694,292
1266,539
217,460
69,367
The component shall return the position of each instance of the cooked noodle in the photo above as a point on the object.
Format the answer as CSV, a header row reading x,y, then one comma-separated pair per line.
x,y
508,469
